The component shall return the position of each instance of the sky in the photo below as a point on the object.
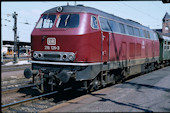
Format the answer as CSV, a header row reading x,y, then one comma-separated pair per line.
x,y
148,13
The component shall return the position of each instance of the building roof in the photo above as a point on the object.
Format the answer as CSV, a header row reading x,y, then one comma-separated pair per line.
x,y
159,30
12,43
167,16
162,35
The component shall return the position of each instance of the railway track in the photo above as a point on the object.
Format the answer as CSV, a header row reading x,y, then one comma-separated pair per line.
x,y
11,82
14,89
8,87
33,104
15,67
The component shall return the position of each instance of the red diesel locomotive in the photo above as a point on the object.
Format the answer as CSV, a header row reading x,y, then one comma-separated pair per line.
x,y
85,48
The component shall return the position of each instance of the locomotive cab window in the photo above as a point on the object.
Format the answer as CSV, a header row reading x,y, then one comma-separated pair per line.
x,y
94,23
68,21
46,21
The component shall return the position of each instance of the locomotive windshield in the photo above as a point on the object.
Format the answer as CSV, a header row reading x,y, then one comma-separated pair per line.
x,y
68,21
46,21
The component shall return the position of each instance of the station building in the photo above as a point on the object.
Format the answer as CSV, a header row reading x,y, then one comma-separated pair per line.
x,y
8,48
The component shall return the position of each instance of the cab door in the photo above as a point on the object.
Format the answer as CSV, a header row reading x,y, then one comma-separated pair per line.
x,y
105,46
105,30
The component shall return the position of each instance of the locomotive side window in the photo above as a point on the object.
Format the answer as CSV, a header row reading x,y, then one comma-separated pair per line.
x,y
148,36
122,28
156,36
113,26
130,30
152,36
104,24
46,21
145,34
94,23
68,21
141,33
136,31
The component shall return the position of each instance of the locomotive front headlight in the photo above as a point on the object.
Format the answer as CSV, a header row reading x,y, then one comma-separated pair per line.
x,y
64,57
71,57
35,55
40,55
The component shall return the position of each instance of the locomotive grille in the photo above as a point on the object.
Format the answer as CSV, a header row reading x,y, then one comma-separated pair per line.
x,y
51,56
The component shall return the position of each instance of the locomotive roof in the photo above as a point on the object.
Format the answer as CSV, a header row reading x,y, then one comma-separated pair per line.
x,y
80,8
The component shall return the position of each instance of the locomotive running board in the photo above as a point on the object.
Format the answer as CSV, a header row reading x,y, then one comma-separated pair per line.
x,y
64,63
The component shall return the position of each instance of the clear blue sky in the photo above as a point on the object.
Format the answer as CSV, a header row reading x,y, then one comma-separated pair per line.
x,y
148,13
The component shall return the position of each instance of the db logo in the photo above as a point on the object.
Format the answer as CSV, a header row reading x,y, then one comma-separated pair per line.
x,y
51,41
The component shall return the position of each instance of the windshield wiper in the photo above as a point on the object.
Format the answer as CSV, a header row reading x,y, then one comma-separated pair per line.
x,y
67,19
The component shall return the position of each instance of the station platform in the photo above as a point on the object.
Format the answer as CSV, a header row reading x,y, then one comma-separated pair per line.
x,y
146,93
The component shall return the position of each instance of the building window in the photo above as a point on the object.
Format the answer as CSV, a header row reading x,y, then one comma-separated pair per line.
x,y
166,28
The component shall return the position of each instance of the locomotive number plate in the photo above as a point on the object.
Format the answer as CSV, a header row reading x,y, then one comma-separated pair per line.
x,y
51,41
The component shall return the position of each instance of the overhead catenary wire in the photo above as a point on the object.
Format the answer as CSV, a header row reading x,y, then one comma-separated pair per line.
x,y
26,23
159,7
156,19
49,3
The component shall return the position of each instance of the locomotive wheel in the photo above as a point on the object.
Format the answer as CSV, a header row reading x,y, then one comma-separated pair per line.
x,y
95,85
113,79
46,86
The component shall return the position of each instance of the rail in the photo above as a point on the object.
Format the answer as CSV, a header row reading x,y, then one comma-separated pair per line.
x,y
29,99
17,88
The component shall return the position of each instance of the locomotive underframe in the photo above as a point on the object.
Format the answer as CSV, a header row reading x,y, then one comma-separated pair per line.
x,y
92,74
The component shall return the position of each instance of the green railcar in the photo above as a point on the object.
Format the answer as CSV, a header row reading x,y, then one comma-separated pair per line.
x,y
164,47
